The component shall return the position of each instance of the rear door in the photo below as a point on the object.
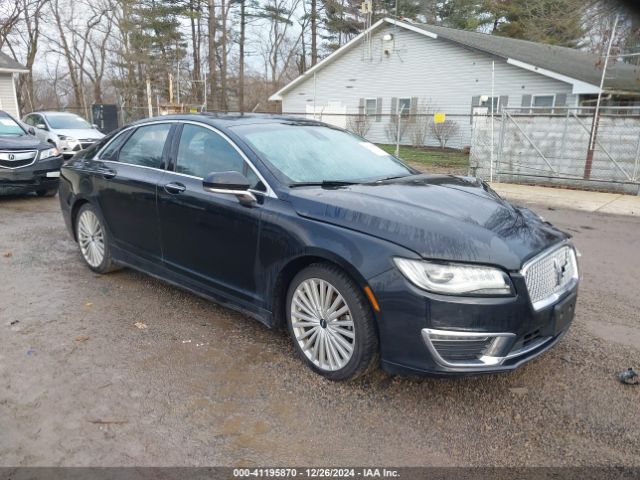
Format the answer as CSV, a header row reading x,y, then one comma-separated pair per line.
x,y
209,237
127,176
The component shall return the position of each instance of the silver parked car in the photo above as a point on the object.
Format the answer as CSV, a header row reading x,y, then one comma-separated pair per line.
x,y
67,131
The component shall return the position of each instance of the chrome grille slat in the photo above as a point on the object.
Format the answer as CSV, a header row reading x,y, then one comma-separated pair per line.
x,y
17,158
550,274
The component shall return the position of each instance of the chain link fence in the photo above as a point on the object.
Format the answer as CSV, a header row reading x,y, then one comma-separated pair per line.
x,y
560,147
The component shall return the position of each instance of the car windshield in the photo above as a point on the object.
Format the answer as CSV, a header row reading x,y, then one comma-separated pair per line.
x,y
67,121
9,127
304,153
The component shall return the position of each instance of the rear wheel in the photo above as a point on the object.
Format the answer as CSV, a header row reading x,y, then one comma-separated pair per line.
x,y
331,323
51,192
93,240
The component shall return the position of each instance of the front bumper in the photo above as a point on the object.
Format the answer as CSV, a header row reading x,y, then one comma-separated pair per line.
x,y
69,149
41,175
417,328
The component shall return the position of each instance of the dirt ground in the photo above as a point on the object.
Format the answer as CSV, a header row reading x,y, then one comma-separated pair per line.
x,y
81,384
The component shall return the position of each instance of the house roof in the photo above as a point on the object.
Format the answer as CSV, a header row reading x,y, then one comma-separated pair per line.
x,y
582,70
8,64
565,61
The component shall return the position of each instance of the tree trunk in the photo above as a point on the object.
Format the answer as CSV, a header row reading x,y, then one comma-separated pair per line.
x,y
195,45
314,33
224,56
212,55
241,59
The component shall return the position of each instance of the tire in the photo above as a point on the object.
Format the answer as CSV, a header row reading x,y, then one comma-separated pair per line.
x,y
93,240
47,193
321,342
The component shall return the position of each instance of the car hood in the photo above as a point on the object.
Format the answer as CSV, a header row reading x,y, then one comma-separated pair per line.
x,y
79,133
437,216
25,142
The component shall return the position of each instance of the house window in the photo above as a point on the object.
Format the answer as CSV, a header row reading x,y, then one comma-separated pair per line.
x,y
490,103
543,103
404,106
370,106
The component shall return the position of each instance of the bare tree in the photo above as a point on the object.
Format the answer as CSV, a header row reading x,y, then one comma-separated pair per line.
x,y
359,124
443,132
28,33
391,128
421,121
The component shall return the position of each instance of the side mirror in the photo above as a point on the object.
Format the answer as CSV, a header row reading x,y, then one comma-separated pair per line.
x,y
231,183
31,131
41,126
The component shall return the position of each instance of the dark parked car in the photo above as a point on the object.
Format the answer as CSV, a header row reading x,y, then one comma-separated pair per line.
x,y
297,223
26,163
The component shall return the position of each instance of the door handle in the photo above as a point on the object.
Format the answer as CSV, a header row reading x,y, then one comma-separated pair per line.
x,y
107,172
174,188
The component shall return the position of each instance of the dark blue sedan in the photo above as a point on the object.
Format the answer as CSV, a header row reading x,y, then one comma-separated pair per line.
x,y
366,261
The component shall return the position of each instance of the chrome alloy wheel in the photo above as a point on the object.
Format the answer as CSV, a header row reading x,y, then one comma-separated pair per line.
x,y
322,324
91,238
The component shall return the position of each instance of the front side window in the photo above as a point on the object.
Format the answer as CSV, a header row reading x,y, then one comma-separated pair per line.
x,y
145,146
203,151
370,107
301,153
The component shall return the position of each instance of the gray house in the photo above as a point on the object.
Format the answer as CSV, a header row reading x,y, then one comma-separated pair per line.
x,y
423,69
8,97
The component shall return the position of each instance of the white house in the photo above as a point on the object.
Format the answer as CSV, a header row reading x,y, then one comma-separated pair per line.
x,y
8,96
417,67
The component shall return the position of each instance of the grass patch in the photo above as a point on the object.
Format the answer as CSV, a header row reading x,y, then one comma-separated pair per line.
x,y
448,158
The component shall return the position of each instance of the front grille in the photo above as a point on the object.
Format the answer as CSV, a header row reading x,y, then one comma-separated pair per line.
x,y
17,159
550,274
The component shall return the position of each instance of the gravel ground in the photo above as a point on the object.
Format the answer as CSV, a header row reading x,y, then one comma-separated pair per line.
x,y
81,384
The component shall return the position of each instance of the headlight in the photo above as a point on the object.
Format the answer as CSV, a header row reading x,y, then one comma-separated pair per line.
x,y
455,279
48,153
67,139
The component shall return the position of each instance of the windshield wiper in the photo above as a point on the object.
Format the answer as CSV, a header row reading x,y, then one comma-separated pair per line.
x,y
323,183
392,178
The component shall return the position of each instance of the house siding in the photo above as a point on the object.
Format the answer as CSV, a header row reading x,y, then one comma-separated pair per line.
x,y
441,73
8,101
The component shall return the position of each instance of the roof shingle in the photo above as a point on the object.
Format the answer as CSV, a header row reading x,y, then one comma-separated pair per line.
x,y
8,63
566,61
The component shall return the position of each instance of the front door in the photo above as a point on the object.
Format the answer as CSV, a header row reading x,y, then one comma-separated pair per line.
x,y
127,175
209,237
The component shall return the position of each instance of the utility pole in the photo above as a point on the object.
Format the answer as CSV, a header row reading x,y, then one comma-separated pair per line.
x,y
149,103
397,152
596,114
241,59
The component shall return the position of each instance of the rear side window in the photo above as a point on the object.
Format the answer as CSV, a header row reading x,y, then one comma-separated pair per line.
x,y
145,146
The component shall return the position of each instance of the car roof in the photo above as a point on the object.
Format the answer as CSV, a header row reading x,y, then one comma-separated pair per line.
x,y
226,120
52,112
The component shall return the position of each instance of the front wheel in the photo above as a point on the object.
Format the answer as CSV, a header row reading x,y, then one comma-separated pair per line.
x,y
331,323
92,239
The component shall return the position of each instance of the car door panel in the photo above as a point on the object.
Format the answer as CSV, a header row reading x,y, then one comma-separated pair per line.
x,y
208,236
128,191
